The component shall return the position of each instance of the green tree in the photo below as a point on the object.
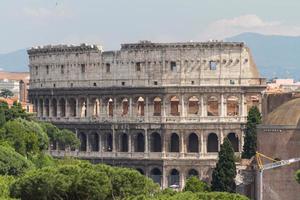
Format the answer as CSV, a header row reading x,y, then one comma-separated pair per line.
x,y
250,144
12,163
5,182
2,117
224,174
194,184
6,93
4,105
16,111
68,139
298,176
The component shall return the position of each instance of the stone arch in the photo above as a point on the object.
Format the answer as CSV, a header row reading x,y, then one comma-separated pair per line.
x,y
212,106
193,143
192,172
212,143
139,143
174,103
232,106
82,107
157,106
193,105
124,142
94,141
174,178
156,175
109,142
110,107
96,107
125,107
174,143
54,107
83,141
155,142
41,107
140,170
234,140
72,107
141,106
62,107
47,107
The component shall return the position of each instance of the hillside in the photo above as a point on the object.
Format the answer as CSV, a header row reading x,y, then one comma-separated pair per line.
x,y
16,61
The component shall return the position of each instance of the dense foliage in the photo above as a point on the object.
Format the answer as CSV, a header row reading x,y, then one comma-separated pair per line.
x,y
224,174
298,176
194,184
5,182
82,181
12,163
250,144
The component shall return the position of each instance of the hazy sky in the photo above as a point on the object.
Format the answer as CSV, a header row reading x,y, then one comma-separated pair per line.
x,y
26,23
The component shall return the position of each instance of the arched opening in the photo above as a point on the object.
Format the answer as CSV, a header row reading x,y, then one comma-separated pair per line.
x,y
140,143
124,143
234,140
109,142
62,107
96,108
193,105
174,179
212,106
41,107
156,175
212,143
94,141
174,147
232,106
110,107
125,106
157,106
54,108
83,139
83,107
175,106
47,107
192,172
140,170
155,141
72,107
141,106
193,145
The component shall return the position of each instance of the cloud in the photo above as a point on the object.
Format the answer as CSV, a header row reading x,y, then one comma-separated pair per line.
x,y
224,28
42,12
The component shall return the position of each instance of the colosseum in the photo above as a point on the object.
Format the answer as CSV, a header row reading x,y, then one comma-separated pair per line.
x,y
161,108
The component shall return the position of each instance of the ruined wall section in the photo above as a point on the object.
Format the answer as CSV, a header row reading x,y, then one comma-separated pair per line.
x,y
143,64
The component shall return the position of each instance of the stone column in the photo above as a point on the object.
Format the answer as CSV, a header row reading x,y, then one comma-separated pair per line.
x,y
58,113
88,107
182,106
129,143
67,109
77,108
115,113
164,107
202,107
113,140
130,106
222,106
50,107
202,143
182,146
38,110
146,141
221,139
88,149
147,109
99,143
181,179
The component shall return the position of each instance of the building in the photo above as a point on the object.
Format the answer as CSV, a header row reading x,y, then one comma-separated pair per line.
x,y
17,82
161,108
279,138
282,85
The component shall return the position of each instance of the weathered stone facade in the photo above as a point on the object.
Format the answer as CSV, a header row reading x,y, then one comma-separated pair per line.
x,y
162,108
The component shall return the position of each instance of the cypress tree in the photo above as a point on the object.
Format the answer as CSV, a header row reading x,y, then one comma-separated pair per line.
x,y
224,174
250,144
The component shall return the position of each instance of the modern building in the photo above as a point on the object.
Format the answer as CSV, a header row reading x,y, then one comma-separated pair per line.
x,y
161,108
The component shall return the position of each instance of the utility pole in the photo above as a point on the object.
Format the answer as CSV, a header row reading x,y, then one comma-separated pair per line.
x,y
274,164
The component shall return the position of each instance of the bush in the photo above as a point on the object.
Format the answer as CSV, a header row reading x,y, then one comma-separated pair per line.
x,y
298,176
12,163
5,182
193,184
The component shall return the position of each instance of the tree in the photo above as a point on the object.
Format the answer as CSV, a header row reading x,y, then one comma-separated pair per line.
x,y
194,184
298,176
2,117
250,144
5,182
12,163
16,111
224,174
6,93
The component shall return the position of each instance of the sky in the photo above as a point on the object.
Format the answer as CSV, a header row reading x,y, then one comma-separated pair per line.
x,y
27,23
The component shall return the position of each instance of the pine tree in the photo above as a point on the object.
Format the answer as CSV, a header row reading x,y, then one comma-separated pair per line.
x,y
250,144
224,174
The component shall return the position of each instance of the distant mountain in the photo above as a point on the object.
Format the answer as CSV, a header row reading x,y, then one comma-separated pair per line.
x,y
16,61
275,56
